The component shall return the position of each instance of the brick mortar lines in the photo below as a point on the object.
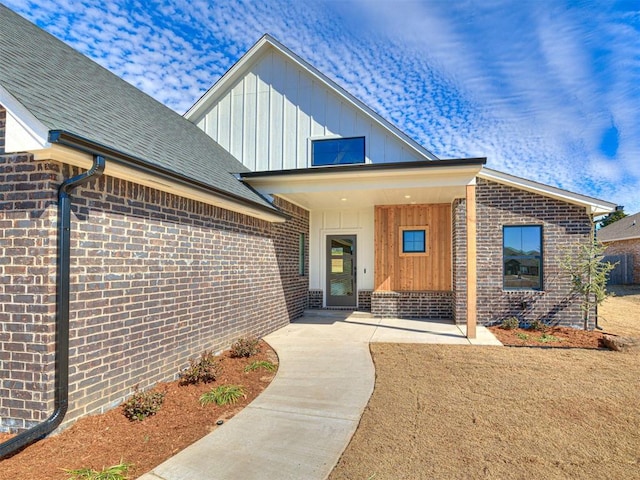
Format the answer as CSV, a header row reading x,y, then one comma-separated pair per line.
x,y
155,279
563,226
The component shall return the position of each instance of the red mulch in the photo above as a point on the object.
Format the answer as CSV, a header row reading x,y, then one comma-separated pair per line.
x,y
100,441
566,337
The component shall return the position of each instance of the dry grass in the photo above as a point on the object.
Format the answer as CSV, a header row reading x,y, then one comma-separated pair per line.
x,y
450,412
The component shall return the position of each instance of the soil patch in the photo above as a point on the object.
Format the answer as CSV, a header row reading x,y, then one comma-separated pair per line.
x,y
100,441
447,411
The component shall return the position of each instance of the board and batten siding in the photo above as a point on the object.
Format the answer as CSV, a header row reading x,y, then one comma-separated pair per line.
x,y
268,117
432,271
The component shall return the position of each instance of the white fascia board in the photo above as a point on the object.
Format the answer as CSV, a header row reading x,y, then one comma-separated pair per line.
x,y
195,113
594,206
365,180
83,160
23,131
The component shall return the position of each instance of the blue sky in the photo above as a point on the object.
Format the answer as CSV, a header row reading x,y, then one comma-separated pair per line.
x,y
545,89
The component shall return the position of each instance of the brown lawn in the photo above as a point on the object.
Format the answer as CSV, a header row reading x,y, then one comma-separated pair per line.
x,y
456,412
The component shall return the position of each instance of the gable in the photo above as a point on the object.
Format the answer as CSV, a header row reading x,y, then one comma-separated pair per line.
x,y
270,107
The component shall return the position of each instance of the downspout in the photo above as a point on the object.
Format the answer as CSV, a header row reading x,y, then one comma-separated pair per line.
x,y
61,399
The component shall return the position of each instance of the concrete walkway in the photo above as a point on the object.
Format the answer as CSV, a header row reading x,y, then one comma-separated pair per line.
x,y
300,425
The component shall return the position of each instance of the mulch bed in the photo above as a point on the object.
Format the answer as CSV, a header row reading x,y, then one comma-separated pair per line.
x,y
99,441
563,337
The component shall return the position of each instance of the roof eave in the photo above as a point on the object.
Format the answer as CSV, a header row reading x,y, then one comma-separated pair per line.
x,y
594,206
76,142
266,41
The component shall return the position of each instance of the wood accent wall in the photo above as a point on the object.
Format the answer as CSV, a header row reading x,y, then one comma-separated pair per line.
x,y
413,273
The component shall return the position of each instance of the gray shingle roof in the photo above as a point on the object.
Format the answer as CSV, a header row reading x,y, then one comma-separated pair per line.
x,y
67,91
625,228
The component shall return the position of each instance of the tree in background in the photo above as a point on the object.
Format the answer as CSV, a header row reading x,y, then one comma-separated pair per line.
x,y
613,217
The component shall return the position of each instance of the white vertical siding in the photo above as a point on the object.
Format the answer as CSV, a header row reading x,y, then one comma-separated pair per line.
x,y
357,222
267,118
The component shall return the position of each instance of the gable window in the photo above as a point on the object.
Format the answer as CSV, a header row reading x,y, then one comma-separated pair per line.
x,y
522,257
337,151
413,241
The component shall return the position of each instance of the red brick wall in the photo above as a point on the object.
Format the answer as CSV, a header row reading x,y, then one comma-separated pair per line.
x,y
627,247
563,226
155,280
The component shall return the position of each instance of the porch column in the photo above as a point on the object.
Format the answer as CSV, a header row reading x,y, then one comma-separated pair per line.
x,y
471,262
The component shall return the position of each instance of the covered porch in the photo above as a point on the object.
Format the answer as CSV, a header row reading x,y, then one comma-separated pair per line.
x,y
387,238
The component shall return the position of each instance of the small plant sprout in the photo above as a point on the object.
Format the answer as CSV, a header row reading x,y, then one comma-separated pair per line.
x,y
545,338
510,323
115,472
223,395
522,336
201,370
265,364
245,347
142,404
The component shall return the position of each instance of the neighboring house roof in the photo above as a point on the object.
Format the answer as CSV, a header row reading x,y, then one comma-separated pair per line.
x,y
627,228
242,66
90,107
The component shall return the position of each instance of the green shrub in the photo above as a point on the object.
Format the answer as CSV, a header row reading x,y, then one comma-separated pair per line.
x,y
538,326
510,323
545,338
142,404
115,472
223,395
201,370
245,347
270,367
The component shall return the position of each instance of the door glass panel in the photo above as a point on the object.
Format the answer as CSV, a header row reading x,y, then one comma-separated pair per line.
x,y
340,271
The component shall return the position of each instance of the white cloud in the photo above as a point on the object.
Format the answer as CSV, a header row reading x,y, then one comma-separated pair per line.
x,y
530,85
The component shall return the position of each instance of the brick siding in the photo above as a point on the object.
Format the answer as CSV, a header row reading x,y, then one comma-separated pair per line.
x,y
459,245
427,305
155,280
627,247
315,299
364,300
564,225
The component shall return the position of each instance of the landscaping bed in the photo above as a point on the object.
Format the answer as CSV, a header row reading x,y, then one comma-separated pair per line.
x,y
549,337
100,441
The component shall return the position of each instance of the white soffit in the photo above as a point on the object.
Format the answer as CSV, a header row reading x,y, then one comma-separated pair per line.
x,y
23,131
593,205
115,169
356,189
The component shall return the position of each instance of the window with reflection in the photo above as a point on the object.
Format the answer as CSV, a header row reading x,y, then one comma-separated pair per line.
x,y
337,151
522,257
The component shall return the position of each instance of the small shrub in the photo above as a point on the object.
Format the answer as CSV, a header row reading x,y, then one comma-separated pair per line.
x,y
223,395
201,370
115,472
270,367
545,338
538,326
522,336
245,347
142,404
510,323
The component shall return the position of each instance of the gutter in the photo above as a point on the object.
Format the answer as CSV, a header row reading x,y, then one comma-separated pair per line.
x,y
82,144
61,398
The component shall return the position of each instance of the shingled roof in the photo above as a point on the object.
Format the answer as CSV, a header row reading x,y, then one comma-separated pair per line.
x,y
626,228
65,90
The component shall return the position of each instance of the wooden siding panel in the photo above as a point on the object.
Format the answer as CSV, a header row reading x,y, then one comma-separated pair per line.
x,y
432,271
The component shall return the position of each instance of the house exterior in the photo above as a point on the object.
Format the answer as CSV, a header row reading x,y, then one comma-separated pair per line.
x,y
393,229
278,192
622,238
